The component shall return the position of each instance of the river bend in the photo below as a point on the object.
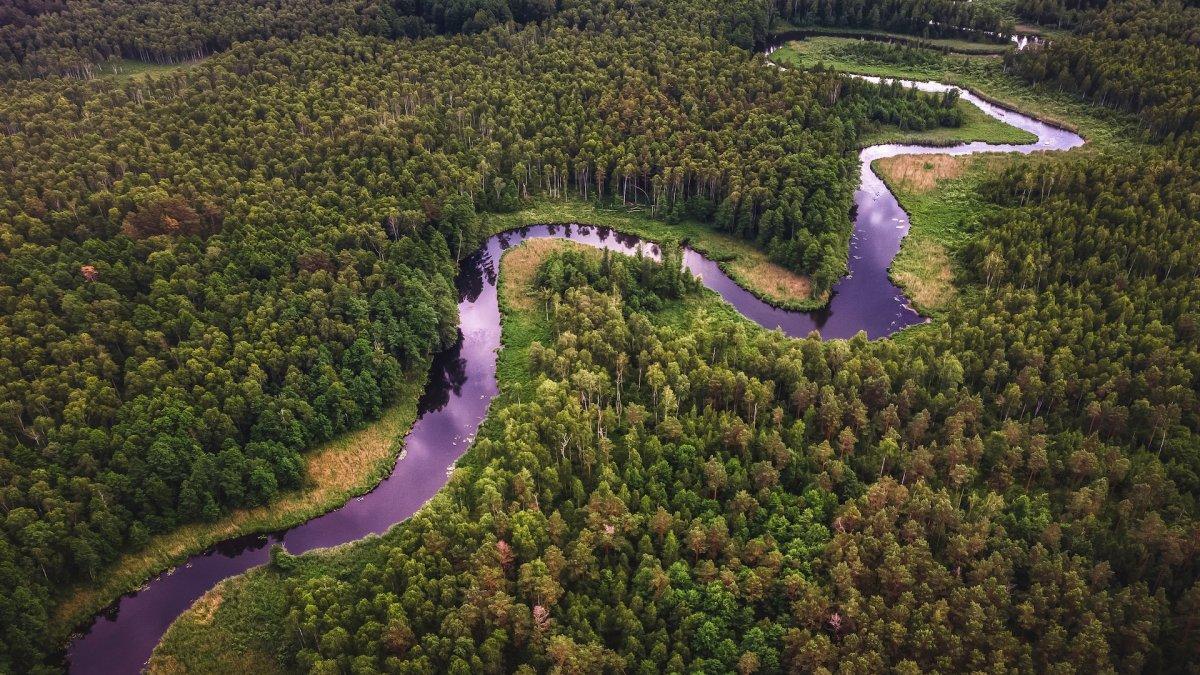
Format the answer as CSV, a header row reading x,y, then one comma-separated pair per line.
x,y
462,383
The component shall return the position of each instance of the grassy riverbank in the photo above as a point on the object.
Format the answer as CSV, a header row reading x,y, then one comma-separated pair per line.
x,y
356,462
337,471
241,623
984,75
741,260
940,193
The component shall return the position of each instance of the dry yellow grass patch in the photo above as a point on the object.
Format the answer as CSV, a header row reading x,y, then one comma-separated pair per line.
x,y
927,279
167,665
921,173
202,610
774,282
220,653
521,266
339,469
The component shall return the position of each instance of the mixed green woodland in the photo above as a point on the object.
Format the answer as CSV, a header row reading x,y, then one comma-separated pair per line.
x,y
39,37
208,271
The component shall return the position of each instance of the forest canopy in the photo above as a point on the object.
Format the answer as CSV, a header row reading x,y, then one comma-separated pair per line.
x,y
1014,484
716,497
927,18
51,37
1139,56
206,273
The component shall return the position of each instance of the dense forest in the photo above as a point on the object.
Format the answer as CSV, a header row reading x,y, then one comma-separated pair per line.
x,y
43,37
1058,13
1015,484
928,18
38,38
1073,13
1139,56
205,273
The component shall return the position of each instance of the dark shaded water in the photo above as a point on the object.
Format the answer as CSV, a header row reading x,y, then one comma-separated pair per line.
x,y
462,383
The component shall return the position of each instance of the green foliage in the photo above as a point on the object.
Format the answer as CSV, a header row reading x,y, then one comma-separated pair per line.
x,y
1015,483
1138,56
49,37
281,560
207,272
1059,12
907,109
643,282
926,18
714,497
889,53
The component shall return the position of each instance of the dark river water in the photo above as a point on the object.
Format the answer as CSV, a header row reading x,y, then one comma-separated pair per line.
x,y
462,383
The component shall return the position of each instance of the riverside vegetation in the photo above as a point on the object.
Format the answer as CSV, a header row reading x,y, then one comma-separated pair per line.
x,y
211,270
673,488
1014,483
638,498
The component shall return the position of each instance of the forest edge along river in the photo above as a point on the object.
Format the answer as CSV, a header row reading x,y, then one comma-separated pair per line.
x,y
462,383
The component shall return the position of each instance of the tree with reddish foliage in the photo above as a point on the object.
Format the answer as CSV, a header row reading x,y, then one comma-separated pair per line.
x,y
505,553
169,216
311,261
835,623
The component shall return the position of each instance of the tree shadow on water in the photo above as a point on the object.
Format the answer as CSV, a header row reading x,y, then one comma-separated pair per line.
x,y
447,375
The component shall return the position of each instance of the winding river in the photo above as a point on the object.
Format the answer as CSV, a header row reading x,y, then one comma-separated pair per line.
x,y
462,383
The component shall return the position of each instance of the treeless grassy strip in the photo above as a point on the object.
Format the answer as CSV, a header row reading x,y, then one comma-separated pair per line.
x,y
745,264
338,470
204,608
920,174
925,274
774,280
128,69
940,195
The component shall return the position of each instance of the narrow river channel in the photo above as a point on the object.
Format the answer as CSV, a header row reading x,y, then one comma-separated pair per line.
x,y
462,383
